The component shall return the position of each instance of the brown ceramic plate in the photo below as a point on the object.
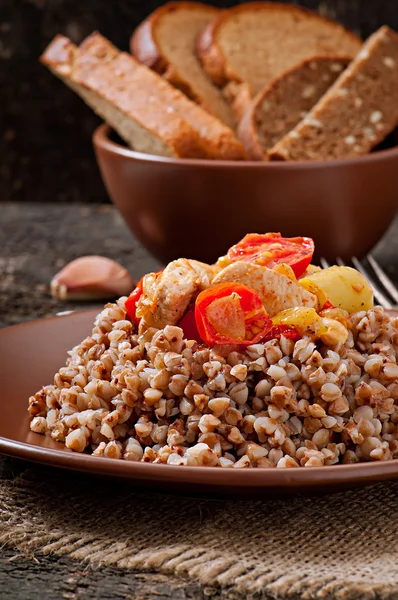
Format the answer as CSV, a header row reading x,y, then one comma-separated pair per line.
x,y
31,353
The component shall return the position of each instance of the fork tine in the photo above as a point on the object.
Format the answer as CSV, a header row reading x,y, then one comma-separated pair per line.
x,y
324,263
340,262
379,295
385,280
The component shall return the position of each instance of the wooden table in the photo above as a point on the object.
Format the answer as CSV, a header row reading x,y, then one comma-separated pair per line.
x,y
35,242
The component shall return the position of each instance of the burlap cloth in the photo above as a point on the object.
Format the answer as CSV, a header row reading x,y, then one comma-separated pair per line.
x,y
340,546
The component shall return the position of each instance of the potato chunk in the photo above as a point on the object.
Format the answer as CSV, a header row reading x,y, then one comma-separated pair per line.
x,y
345,287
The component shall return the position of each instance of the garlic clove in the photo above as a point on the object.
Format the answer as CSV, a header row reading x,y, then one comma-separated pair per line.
x,y
91,278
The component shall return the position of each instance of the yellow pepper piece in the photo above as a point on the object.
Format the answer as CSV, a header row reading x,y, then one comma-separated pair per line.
x,y
309,323
286,270
305,320
312,287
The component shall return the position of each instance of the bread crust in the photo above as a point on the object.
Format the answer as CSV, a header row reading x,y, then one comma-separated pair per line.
x,y
210,53
60,51
247,131
145,47
239,97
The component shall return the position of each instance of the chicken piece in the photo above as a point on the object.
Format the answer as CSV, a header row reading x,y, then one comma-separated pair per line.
x,y
277,291
166,296
206,272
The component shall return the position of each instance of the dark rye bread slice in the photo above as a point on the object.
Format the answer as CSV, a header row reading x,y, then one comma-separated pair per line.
x,y
171,137
166,41
256,42
285,102
356,113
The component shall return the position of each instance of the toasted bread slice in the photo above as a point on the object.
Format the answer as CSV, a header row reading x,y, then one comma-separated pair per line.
x,y
166,41
219,141
356,113
154,133
256,42
147,99
286,101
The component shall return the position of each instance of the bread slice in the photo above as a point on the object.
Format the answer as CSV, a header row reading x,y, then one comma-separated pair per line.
x,y
156,133
256,42
357,112
145,99
220,141
165,42
285,102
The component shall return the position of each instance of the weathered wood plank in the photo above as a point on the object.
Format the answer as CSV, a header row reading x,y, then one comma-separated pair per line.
x,y
48,578
36,241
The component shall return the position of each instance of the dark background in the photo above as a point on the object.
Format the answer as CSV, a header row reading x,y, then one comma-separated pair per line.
x,y
45,130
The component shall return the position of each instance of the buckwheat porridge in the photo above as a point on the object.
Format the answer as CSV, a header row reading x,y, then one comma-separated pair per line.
x,y
261,360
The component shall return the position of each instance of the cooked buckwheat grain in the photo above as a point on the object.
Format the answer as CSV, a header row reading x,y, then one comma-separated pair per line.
x,y
152,396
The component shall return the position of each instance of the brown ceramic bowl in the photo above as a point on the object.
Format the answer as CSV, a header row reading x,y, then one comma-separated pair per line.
x,y
199,208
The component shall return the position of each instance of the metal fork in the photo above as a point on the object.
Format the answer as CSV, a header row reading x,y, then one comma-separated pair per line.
x,y
384,291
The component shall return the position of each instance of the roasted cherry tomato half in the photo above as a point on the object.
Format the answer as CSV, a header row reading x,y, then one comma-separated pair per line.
x,y
230,313
269,249
131,302
188,325
288,332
